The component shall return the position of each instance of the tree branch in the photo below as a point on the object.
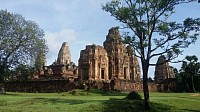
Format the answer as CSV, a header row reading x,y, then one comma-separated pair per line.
x,y
161,53
169,39
168,60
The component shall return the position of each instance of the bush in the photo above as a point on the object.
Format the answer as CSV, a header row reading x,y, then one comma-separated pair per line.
x,y
134,96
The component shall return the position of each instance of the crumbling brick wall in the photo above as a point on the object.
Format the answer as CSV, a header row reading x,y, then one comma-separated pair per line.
x,y
132,86
40,86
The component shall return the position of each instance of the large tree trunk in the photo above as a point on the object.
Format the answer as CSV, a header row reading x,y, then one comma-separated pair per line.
x,y
193,84
145,68
3,71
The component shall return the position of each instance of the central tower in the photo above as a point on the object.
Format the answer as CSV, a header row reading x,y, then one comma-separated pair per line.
x,y
64,56
111,61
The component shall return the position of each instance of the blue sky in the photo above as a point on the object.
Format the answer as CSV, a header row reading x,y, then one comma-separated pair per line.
x,y
82,22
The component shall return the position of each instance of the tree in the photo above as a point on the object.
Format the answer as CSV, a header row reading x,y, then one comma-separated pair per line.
x,y
152,34
191,68
150,79
20,42
22,72
39,61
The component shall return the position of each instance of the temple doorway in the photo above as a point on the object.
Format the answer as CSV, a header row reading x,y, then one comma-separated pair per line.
x,y
125,72
102,73
85,73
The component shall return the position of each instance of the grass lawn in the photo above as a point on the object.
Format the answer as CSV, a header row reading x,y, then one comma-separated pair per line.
x,y
96,101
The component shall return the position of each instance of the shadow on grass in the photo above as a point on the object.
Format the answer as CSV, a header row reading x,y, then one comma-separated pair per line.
x,y
58,101
9,94
125,105
105,93
190,110
3,103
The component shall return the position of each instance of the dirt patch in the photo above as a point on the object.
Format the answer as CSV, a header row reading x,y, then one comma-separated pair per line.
x,y
195,94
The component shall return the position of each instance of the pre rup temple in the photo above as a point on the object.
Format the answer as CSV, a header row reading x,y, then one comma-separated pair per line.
x,y
111,66
110,61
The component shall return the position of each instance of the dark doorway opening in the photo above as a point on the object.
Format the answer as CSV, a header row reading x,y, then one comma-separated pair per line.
x,y
124,73
85,73
102,73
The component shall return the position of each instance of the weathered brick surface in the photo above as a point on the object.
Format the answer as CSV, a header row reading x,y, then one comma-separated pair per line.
x,y
163,70
113,60
133,86
65,85
120,85
39,86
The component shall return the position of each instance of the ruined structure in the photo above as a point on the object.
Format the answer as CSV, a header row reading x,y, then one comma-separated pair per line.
x,y
163,70
111,66
62,68
134,65
93,63
64,56
109,62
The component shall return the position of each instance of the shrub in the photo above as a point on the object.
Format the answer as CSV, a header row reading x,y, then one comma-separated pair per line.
x,y
73,92
134,96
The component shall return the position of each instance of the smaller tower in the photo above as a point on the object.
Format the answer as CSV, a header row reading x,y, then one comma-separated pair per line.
x,y
163,70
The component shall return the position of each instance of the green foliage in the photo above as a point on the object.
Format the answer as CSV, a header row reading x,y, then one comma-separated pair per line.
x,y
22,73
20,41
190,73
39,60
150,79
134,96
4,71
152,34
150,17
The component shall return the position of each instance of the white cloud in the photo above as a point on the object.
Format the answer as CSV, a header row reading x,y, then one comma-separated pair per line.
x,y
80,22
55,40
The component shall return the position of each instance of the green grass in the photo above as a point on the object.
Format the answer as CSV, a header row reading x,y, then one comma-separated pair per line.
x,y
178,101
96,101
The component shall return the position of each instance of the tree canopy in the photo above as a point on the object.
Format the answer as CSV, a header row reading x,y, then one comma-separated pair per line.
x,y
151,30
190,69
21,41
152,34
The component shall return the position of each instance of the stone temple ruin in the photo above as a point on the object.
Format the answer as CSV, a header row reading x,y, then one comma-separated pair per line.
x,y
163,70
110,61
164,75
64,55
62,68
111,66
